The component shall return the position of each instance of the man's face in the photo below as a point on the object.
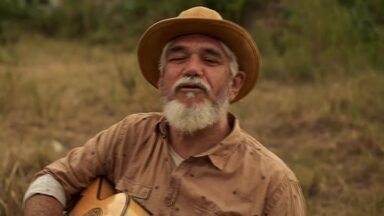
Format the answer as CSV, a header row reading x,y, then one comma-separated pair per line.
x,y
195,57
196,83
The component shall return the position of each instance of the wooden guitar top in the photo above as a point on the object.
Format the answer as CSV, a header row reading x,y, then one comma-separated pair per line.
x,y
101,199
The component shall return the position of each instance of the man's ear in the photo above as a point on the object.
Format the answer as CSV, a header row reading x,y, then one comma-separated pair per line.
x,y
236,83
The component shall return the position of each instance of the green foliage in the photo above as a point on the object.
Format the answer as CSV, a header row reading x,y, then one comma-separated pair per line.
x,y
98,21
310,40
299,40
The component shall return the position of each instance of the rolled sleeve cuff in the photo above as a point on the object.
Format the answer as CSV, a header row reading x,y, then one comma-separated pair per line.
x,y
46,185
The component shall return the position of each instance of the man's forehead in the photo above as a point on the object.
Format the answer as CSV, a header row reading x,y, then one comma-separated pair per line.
x,y
197,38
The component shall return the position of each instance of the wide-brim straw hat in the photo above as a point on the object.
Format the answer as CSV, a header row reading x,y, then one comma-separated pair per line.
x,y
199,20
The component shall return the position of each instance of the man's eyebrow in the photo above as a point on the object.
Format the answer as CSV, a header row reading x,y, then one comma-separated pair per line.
x,y
180,48
176,49
213,52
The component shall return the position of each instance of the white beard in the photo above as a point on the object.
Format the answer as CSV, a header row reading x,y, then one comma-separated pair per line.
x,y
191,119
199,116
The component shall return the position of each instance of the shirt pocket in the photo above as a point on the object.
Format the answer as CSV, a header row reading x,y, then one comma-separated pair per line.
x,y
136,190
199,210
209,208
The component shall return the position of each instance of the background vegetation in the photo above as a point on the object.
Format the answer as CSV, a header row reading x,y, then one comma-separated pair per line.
x,y
68,70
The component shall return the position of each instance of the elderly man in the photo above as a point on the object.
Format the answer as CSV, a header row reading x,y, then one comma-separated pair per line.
x,y
192,159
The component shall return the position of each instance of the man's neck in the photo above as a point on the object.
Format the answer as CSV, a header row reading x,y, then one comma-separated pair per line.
x,y
187,145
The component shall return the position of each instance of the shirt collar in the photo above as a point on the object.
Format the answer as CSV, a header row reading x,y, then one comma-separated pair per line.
x,y
162,127
220,153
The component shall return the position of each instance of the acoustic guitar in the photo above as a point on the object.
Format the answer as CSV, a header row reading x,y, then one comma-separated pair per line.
x,y
101,199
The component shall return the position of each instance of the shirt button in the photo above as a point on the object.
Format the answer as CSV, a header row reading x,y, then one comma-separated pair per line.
x,y
174,182
168,202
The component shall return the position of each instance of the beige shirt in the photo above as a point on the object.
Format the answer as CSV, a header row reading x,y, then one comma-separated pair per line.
x,y
238,176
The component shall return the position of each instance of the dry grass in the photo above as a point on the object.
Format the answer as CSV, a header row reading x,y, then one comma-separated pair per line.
x,y
56,94
331,136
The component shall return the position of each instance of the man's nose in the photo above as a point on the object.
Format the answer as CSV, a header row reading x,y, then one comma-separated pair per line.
x,y
193,68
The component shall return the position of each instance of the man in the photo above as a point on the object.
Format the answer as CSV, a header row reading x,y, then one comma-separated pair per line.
x,y
193,159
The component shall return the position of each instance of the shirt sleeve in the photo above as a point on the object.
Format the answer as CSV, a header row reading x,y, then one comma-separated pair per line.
x,y
83,164
46,185
287,200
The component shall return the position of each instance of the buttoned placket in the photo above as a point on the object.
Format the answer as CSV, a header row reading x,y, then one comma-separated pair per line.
x,y
177,173
175,183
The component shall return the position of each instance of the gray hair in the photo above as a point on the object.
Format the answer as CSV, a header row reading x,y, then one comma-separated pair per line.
x,y
233,64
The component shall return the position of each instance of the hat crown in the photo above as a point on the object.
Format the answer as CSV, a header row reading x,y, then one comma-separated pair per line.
x,y
200,12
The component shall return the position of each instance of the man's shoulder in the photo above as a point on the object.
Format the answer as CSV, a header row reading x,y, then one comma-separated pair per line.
x,y
268,162
145,118
144,122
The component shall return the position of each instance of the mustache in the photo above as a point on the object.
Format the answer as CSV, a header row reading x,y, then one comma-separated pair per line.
x,y
191,82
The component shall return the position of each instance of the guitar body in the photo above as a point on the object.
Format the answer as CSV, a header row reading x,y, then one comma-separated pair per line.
x,y
100,198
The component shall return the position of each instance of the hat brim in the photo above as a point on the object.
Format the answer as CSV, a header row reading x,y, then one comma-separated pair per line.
x,y
234,36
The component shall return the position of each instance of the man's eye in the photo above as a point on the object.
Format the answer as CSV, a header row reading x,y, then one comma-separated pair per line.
x,y
211,61
176,58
